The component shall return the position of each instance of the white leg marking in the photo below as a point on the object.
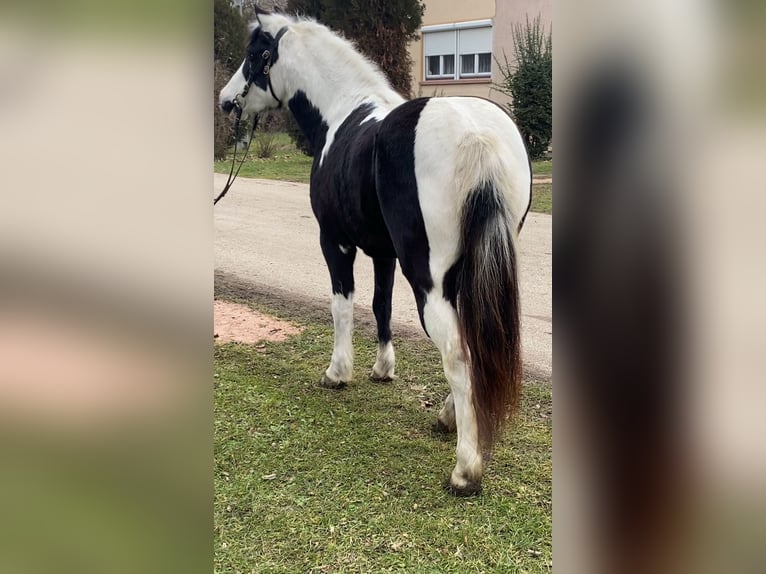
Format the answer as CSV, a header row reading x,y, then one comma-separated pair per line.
x,y
342,364
441,321
383,368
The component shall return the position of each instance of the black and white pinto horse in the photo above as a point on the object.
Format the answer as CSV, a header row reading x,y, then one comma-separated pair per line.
x,y
441,184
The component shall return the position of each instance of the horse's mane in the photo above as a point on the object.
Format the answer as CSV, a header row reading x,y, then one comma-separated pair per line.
x,y
344,52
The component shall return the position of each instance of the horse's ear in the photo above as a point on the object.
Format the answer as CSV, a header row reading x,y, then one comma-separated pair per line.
x,y
257,23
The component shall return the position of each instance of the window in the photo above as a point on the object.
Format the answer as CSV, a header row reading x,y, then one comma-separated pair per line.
x,y
470,43
441,66
440,55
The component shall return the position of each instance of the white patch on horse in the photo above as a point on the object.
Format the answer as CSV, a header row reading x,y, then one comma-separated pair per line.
x,y
377,114
385,362
234,87
329,139
342,364
343,249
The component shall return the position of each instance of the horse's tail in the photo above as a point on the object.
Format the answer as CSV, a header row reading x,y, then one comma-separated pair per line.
x,y
487,287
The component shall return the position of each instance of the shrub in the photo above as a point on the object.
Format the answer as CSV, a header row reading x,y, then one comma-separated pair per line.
x,y
530,85
266,137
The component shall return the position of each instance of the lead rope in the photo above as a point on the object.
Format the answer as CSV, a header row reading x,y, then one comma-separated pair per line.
x,y
230,179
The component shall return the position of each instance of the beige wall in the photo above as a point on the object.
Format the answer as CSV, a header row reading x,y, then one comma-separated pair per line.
x,y
448,11
505,13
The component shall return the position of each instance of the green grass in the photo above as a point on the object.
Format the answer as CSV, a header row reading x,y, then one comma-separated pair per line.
x,y
542,168
312,480
288,164
542,198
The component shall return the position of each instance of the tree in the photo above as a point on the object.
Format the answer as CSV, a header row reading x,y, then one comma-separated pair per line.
x,y
229,35
530,85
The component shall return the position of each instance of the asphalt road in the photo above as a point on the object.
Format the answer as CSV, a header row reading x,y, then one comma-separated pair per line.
x,y
266,235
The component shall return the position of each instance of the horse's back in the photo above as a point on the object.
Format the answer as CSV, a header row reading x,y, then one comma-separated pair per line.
x,y
445,128
431,153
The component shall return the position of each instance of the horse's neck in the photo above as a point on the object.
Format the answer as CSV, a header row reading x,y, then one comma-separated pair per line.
x,y
324,95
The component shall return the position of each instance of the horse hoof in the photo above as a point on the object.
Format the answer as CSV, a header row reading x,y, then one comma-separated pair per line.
x,y
440,428
375,378
470,488
327,383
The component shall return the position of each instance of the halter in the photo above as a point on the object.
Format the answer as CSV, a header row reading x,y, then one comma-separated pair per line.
x,y
266,61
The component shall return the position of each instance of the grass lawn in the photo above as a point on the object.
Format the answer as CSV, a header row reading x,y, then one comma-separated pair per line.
x,y
542,167
288,164
312,480
542,198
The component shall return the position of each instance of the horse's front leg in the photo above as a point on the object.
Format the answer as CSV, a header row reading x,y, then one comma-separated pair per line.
x,y
340,261
383,369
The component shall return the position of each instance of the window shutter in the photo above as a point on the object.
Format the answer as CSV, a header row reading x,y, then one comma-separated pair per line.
x,y
439,43
475,41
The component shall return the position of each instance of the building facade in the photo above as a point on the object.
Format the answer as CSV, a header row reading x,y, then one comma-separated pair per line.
x,y
460,42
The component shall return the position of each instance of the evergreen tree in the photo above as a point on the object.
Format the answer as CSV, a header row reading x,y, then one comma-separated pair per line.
x,y
530,84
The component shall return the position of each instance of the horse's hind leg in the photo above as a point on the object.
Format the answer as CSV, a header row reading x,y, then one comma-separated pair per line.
x,y
340,261
440,319
383,369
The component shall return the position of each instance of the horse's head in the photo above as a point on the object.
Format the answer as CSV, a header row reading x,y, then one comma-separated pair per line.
x,y
251,88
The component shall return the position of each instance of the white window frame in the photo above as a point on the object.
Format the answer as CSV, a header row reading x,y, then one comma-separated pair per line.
x,y
476,73
458,61
440,75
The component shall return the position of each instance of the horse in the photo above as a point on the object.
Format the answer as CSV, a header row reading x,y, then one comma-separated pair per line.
x,y
441,185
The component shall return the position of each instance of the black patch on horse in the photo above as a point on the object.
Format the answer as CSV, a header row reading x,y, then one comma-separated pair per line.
x,y
398,193
343,193
252,69
309,120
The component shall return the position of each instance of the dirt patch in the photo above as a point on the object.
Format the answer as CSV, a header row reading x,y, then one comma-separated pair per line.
x,y
234,322
296,307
